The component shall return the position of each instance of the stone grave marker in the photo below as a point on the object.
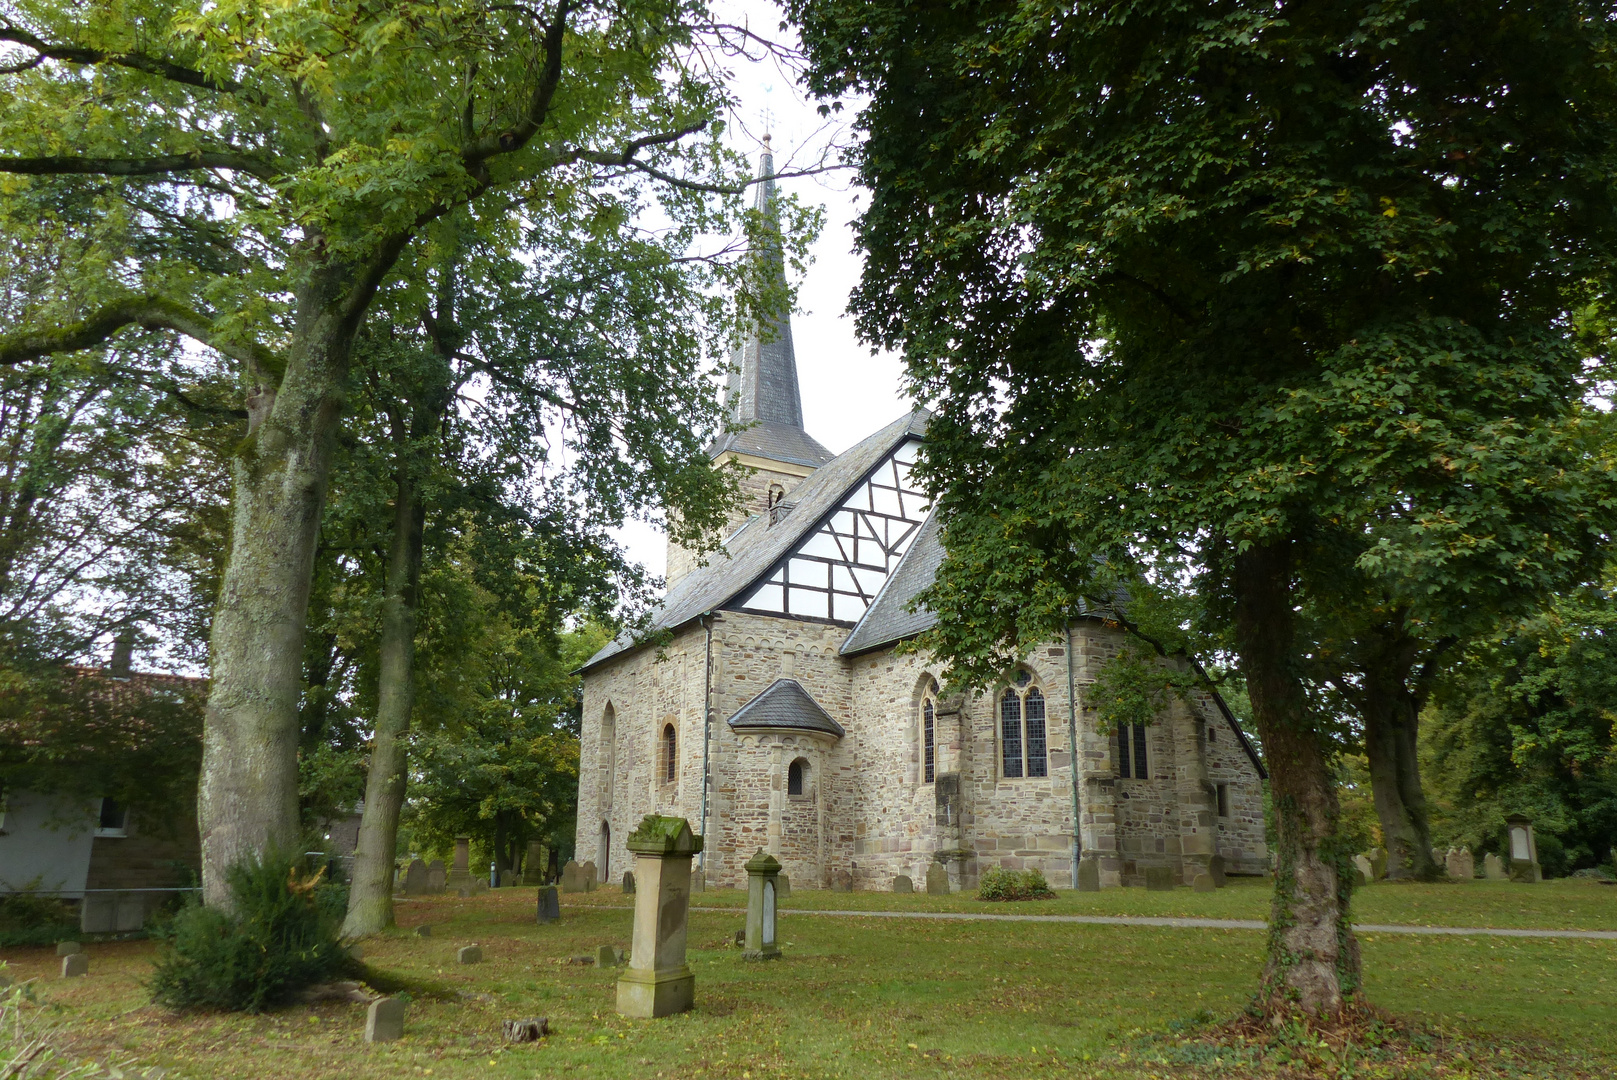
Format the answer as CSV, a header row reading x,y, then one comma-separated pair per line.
x,y
1524,865
1365,871
75,965
1215,870
469,954
589,876
606,956
658,982
1493,868
1378,863
424,930
699,879
759,935
533,863
437,877
628,883
841,881
1089,875
98,914
1460,865
508,880
937,879
549,905
384,1020
903,884
522,1031
783,887
415,878
460,866
68,948
1159,879
1203,883
571,878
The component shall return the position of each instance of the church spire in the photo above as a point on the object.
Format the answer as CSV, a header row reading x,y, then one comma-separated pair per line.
x,y
763,385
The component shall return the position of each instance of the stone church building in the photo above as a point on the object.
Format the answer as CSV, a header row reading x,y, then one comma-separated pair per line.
x,y
774,674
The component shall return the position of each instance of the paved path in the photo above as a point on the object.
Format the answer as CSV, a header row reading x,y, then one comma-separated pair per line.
x,y
1193,924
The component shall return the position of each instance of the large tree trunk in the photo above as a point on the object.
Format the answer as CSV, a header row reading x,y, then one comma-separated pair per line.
x,y
1391,714
370,895
1313,962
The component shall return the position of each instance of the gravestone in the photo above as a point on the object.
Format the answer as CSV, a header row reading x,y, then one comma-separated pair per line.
x,y
1203,883
1089,875
424,930
589,875
549,905
460,866
75,965
1365,871
783,887
1524,865
937,879
628,883
533,863
356,951
384,1020
1460,865
841,881
759,935
606,956
903,884
1493,868
415,878
98,914
437,877
529,1030
469,954
699,879
68,948
1378,863
1159,879
658,982
1215,870
508,880
572,878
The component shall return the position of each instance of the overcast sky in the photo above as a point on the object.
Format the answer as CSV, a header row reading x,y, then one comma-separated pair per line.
x,y
847,392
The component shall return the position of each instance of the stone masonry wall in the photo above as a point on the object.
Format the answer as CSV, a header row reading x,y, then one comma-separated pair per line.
x,y
755,483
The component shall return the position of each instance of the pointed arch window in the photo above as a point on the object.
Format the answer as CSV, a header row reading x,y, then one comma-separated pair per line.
x,y
929,738
1023,744
670,753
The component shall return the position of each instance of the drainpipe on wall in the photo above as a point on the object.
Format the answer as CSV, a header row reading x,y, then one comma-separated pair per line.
x,y
707,731
1072,742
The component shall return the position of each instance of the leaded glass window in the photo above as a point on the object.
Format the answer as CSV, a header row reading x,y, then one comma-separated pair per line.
x,y
1033,726
836,571
1010,734
1023,745
929,738
670,753
1131,752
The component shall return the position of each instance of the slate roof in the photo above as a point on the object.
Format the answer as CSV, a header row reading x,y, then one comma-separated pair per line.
x,y
889,618
785,704
778,442
752,552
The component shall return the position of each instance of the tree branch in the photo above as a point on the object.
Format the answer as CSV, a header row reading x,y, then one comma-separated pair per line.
x,y
147,312
234,161
151,65
538,104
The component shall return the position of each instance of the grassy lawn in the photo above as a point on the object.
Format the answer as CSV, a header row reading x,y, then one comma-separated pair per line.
x,y
1564,904
865,998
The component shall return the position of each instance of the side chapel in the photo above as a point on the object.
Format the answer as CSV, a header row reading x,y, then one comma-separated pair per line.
x,y
780,685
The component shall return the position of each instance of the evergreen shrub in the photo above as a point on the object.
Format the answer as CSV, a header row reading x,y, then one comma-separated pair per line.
x,y
27,918
280,935
999,884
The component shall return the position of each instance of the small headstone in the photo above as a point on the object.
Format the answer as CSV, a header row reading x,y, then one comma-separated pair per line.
x,y
1378,863
606,956
937,879
1089,875
437,877
1366,873
1493,868
415,878
75,965
1203,883
68,948
699,879
741,937
1460,865
469,954
628,883
783,888
424,930
464,892
356,951
549,905
523,1031
572,879
589,876
902,884
1215,870
384,1020
841,881
1159,879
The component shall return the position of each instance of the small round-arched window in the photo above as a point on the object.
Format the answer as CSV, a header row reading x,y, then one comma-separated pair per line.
x,y
670,753
797,777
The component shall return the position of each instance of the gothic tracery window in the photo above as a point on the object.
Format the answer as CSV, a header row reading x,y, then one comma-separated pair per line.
x,y
1023,746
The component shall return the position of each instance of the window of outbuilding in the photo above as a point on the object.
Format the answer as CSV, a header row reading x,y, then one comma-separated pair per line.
x,y
114,819
1023,746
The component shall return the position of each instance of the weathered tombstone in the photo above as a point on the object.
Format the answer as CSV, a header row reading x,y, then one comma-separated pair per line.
x,y
628,883
589,875
1524,864
384,1020
424,930
98,914
508,880
68,948
460,865
75,965
760,932
1378,863
657,981
415,878
1089,875
1460,865
437,877
606,956
699,879
571,878
937,879
549,905
469,954
1215,870
1365,870
1203,883
356,951
522,1031
841,881
1159,879
1493,868
533,863
903,884
783,887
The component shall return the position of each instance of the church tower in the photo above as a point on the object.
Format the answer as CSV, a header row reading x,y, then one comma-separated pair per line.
x,y
763,394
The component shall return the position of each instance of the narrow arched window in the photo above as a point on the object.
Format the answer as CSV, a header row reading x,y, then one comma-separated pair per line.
x,y
670,753
929,739
796,777
1023,742
608,752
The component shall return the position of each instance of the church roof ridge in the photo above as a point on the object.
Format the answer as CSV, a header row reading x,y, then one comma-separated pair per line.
x,y
785,703
754,549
